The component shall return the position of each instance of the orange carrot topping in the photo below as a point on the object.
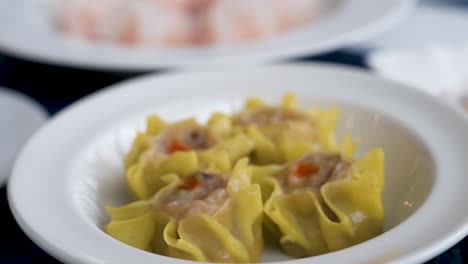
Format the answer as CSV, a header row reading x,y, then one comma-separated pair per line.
x,y
177,145
190,183
304,169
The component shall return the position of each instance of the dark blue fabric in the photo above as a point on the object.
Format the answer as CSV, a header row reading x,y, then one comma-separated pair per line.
x,y
56,87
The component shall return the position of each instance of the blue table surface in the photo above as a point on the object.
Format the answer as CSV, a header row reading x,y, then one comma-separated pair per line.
x,y
56,87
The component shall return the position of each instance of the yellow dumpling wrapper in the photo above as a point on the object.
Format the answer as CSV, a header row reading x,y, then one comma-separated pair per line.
x,y
230,234
144,165
290,133
298,220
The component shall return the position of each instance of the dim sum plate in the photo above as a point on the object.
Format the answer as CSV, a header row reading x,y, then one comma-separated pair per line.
x,y
27,31
72,167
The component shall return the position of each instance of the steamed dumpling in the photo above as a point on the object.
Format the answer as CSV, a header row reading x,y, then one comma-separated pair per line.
x,y
323,202
180,148
210,215
284,133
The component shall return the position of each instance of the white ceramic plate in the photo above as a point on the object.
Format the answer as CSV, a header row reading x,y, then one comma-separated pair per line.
x,y
20,117
26,32
72,167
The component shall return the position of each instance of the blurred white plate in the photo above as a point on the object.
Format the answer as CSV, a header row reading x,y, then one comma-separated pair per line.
x,y
20,117
72,168
438,69
26,32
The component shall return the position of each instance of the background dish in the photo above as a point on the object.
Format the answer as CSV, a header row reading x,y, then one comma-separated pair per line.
x,y
26,32
20,117
82,170
179,23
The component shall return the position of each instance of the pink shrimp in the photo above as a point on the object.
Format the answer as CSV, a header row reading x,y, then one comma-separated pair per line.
x,y
182,22
294,13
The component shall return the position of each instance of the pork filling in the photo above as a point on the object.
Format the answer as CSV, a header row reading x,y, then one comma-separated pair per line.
x,y
183,139
311,172
274,121
201,192
269,116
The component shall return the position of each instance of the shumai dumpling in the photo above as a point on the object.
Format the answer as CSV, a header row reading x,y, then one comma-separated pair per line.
x,y
284,133
323,202
179,148
210,215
